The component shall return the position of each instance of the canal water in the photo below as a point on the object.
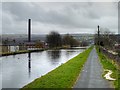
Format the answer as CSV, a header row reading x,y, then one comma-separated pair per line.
x,y
19,70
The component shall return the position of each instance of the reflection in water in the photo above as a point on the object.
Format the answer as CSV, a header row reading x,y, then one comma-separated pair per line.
x,y
54,55
69,52
23,68
13,56
29,63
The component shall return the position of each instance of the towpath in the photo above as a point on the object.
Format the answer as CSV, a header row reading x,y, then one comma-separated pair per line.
x,y
91,75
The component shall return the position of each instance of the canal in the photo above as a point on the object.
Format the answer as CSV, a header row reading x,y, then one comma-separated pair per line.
x,y
19,70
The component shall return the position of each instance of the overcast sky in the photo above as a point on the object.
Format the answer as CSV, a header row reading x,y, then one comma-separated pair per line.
x,y
64,17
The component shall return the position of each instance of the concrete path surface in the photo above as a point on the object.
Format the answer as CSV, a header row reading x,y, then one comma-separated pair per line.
x,y
91,75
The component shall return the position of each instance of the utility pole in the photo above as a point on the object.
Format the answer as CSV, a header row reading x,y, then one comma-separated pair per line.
x,y
98,38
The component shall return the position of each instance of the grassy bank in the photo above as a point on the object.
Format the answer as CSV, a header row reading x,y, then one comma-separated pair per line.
x,y
110,65
64,76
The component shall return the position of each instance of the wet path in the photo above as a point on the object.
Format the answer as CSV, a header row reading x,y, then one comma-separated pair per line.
x,y
91,75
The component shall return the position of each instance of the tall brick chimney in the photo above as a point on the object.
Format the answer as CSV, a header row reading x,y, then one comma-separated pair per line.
x,y
29,30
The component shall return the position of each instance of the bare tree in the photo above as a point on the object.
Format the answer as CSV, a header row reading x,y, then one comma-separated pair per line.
x,y
69,40
107,38
54,39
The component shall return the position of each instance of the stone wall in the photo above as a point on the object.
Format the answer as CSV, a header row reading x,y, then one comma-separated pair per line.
x,y
116,58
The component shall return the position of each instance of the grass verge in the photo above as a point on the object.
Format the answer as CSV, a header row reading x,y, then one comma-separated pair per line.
x,y
64,76
110,65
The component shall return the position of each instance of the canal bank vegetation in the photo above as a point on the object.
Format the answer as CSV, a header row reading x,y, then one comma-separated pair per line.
x,y
13,53
20,52
109,64
64,76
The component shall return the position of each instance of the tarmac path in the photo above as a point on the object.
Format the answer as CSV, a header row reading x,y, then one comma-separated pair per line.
x,y
91,75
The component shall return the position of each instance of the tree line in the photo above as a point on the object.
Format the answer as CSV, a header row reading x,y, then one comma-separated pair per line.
x,y
108,40
54,39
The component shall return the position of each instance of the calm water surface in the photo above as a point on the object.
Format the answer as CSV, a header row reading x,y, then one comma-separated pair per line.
x,y
19,70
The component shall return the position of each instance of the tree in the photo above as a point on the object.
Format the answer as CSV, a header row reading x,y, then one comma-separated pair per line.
x,y
66,39
54,39
84,43
106,38
69,40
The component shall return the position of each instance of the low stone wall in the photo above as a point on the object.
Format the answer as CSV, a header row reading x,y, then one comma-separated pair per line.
x,y
116,58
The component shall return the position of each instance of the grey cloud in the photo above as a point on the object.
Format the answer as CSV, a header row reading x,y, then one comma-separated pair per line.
x,y
61,15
